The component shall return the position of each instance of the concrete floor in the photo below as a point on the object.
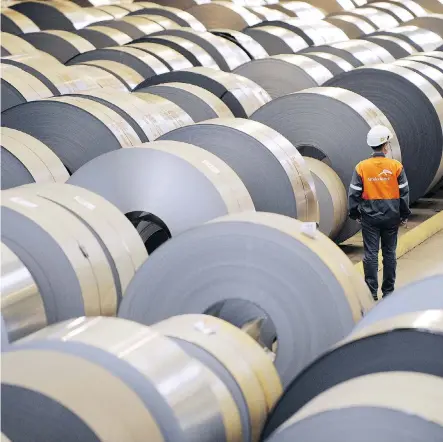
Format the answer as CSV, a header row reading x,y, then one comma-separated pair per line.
x,y
424,260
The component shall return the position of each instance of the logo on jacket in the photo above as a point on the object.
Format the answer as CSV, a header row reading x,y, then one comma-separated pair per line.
x,y
384,175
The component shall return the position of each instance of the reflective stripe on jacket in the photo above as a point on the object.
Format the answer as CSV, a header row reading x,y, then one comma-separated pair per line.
x,y
379,190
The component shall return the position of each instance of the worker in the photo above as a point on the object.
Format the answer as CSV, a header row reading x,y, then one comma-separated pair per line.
x,y
379,200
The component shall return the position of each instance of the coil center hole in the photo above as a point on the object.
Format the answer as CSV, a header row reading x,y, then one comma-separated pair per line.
x,y
313,152
152,230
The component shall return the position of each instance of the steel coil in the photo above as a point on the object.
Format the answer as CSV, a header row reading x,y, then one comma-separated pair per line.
x,y
237,360
241,95
277,40
263,260
148,115
226,54
16,23
431,5
125,27
395,46
199,188
418,296
56,122
382,406
413,6
142,62
173,60
26,160
221,14
332,6
164,22
128,76
64,257
15,45
379,18
192,51
334,63
62,45
270,167
426,59
328,124
103,78
115,11
412,342
331,196
400,13
283,74
22,306
143,23
314,33
199,103
406,98
433,22
103,356
182,18
104,36
253,48
352,25
19,86
421,39
57,15
299,9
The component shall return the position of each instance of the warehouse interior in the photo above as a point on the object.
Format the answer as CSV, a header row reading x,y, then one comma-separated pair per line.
x,y
178,260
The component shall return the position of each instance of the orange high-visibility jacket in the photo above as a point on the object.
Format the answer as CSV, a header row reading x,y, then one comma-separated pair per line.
x,y
379,190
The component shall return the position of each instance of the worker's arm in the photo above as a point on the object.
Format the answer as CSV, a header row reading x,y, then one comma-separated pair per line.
x,y
403,186
355,195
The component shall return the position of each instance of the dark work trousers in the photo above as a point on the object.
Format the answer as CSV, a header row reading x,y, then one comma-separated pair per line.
x,y
372,234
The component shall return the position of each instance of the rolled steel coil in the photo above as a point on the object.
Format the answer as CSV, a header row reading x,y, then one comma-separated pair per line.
x,y
226,54
64,257
22,306
418,296
331,196
357,52
333,6
184,5
411,5
237,360
269,165
334,63
164,22
433,22
421,39
435,54
102,356
57,14
406,98
398,11
182,18
426,59
262,260
299,9
173,59
104,36
56,122
399,404
103,78
16,23
144,24
395,46
125,27
26,160
62,45
14,45
116,11
280,75
329,124
199,103
352,25
140,61
192,51
94,15
149,116
241,95
19,86
316,33
221,14
377,18
412,342
434,6
253,48
277,40
128,76
178,186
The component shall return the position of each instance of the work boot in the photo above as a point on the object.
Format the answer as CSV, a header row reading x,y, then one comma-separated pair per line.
x,y
386,294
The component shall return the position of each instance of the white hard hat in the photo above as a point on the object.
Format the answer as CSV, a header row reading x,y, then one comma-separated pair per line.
x,y
379,135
